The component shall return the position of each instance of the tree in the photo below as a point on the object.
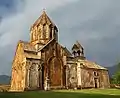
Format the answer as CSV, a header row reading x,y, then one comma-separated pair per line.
x,y
116,76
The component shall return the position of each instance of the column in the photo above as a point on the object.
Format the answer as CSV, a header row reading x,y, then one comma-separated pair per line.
x,y
79,74
67,72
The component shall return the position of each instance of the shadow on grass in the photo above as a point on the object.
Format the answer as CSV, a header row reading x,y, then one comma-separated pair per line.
x,y
51,94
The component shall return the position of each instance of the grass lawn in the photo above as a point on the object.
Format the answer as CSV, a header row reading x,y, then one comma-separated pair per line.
x,y
86,93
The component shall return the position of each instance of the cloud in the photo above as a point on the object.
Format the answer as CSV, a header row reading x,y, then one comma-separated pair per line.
x,y
95,23
17,25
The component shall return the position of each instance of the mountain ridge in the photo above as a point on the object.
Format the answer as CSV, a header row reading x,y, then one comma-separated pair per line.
x,y
5,79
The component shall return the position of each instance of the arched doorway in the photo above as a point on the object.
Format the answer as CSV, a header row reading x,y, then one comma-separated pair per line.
x,y
55,71
33,77
96,80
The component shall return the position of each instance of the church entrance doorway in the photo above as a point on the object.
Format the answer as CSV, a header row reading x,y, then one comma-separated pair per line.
x,y
55,70
33,77
96,82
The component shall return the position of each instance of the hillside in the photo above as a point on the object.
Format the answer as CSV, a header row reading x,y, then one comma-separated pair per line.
x,y
4,79
112,70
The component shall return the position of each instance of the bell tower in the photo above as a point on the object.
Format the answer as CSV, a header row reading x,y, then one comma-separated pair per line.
x,y
78,50
43,30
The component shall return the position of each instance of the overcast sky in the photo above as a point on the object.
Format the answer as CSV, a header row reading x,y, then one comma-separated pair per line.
x,y
94,23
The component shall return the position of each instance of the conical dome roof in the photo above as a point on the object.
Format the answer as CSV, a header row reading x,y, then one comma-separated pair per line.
x,y
43,19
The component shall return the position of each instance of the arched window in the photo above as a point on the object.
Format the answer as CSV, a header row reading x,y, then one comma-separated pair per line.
x,y
95,73
74,53
78,52
44,31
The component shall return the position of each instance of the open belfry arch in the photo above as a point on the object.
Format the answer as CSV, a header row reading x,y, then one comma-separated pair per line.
x,y
42,63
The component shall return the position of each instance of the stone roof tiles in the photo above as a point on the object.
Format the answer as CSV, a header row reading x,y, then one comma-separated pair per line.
x,y
28,46
42,20
89,64
29,50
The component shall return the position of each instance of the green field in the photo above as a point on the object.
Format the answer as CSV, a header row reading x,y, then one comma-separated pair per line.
x,y
96,93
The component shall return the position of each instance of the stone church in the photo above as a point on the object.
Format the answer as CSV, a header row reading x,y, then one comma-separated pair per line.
x,y
44,64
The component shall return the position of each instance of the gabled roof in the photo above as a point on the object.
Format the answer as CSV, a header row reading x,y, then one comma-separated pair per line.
x,y
66,51
64,48
42,20
45,45
85,63
77,45
29,50
89,64
28,46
